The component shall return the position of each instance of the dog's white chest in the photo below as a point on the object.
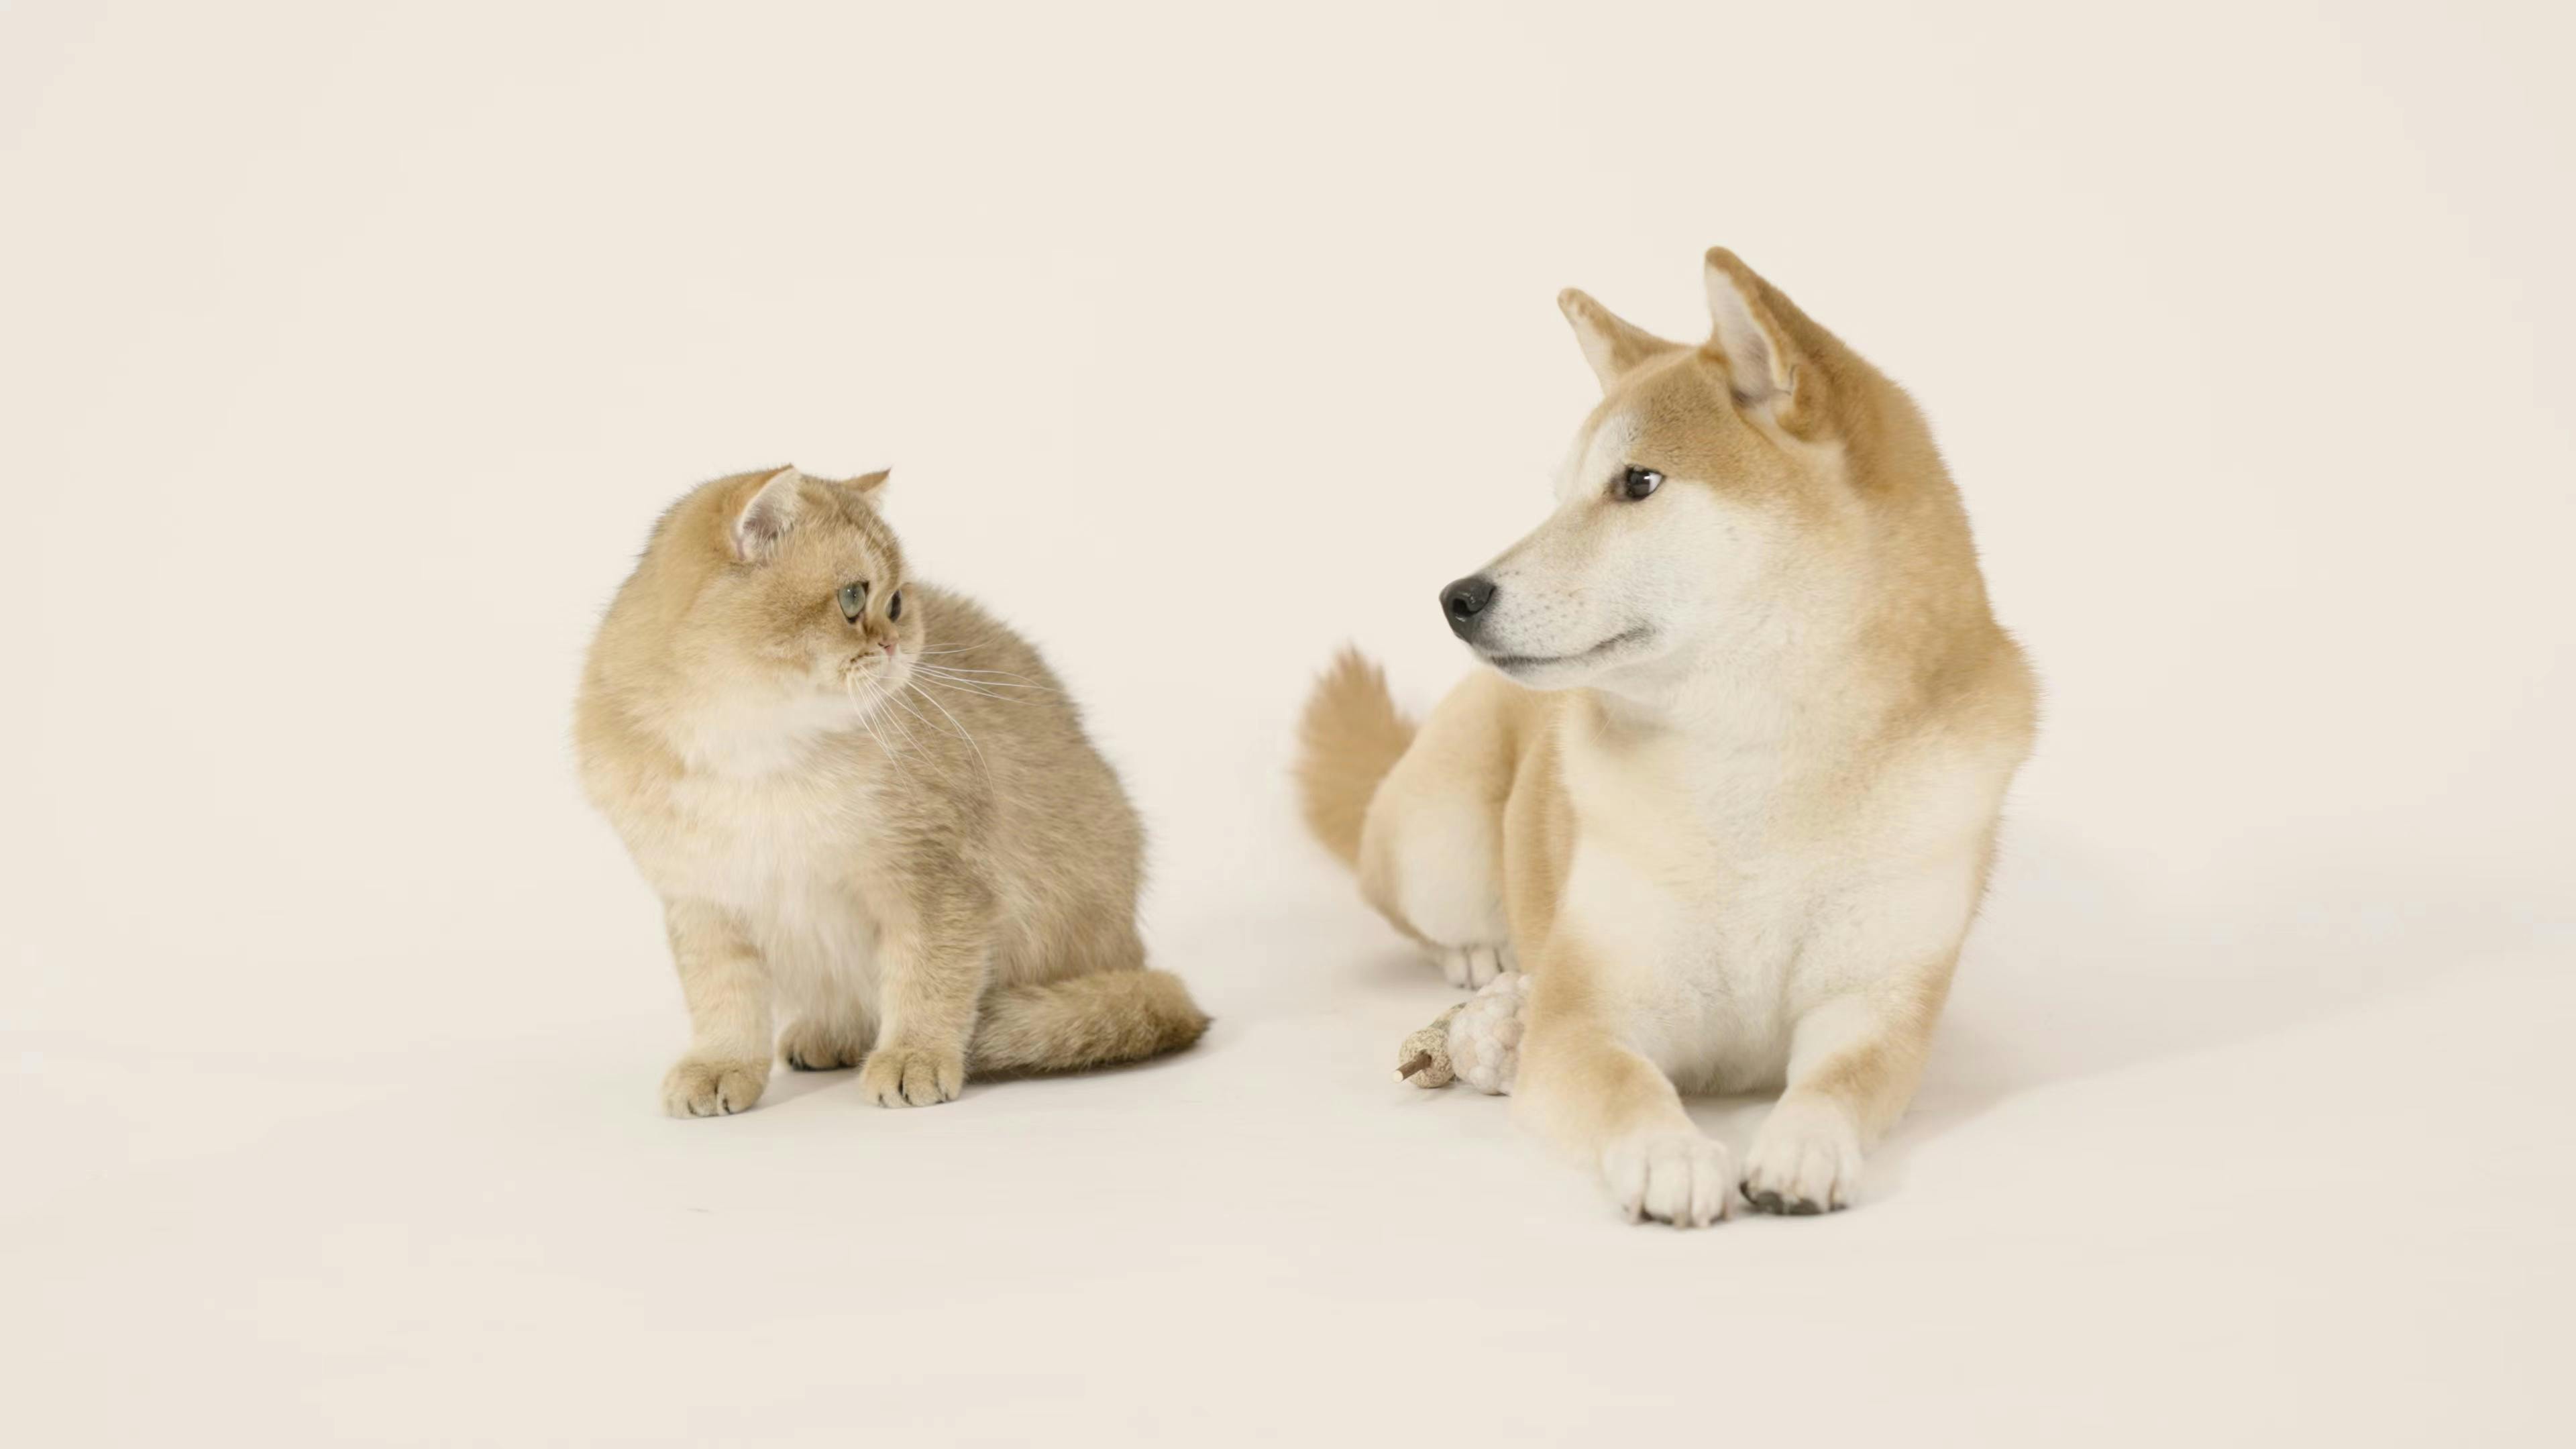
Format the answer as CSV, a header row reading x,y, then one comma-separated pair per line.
x,y
1700,910
1728,907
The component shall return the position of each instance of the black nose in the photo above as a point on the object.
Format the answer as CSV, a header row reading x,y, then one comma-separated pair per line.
x,y
1464,603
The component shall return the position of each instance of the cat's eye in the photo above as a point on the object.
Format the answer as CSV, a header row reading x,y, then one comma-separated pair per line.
x,y
854,601
894,605
1638,483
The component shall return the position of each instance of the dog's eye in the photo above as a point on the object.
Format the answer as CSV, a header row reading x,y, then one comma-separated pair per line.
x,y
1637,483
854,601
894,606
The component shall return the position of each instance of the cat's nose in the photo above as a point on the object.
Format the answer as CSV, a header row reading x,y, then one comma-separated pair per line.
x,y
1463,604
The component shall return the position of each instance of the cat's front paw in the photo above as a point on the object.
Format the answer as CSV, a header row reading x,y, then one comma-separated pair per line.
x,y
697,1088
897,1076
822,1044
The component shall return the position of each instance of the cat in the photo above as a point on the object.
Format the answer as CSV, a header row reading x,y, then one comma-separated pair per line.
x,y
864,800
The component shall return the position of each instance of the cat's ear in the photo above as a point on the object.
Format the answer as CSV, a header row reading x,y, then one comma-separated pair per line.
x,y
870,486
767,515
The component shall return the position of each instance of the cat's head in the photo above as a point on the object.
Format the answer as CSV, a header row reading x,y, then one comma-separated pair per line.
x,y
800,592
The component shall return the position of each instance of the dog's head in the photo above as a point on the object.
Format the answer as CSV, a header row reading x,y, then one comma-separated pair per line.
x,y
1686,505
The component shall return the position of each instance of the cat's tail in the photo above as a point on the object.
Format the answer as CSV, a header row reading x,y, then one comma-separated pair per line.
x,y
1351,736
1096,1020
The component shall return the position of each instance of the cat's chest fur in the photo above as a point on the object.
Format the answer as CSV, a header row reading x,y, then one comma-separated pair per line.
x,y
779,841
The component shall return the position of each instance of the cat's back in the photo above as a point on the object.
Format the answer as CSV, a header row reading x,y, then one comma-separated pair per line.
x,y
997,684
962,636
990,690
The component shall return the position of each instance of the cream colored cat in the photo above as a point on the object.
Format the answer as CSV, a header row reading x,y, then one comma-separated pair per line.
x,y
864,800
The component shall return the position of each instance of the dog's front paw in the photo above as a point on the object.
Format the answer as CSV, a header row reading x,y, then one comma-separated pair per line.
x,y
1806,1159
697,1088
913,1076
1680,1178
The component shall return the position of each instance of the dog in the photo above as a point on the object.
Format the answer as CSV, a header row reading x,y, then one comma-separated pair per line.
x,y
1728,785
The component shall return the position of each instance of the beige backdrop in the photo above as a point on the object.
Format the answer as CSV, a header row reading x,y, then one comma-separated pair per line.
x,y
347,352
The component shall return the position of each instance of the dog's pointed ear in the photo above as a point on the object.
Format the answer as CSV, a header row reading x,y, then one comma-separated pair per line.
x,y
766,515
1763,361
1611,345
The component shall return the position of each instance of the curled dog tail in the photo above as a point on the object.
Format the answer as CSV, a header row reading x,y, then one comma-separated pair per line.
x,y
1351,736
1095,1020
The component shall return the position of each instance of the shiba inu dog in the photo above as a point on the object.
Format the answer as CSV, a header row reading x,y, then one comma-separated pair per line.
x,y
1729,788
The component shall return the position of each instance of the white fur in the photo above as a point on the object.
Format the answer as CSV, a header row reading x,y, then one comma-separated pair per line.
x,y
1755,367
1683,566
1449,890
1807,1151
755,832
1680,1178
1726,931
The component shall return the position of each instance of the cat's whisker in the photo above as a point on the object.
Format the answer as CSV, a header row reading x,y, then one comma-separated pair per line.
x,y
980,693
858,711
911,746
867,715
980,761
895,698
972,669
987,690
884,697
964,677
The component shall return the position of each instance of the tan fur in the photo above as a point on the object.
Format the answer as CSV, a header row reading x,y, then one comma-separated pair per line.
x,y
1733,807
1086,1021
1538,826
895,827
1352,734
